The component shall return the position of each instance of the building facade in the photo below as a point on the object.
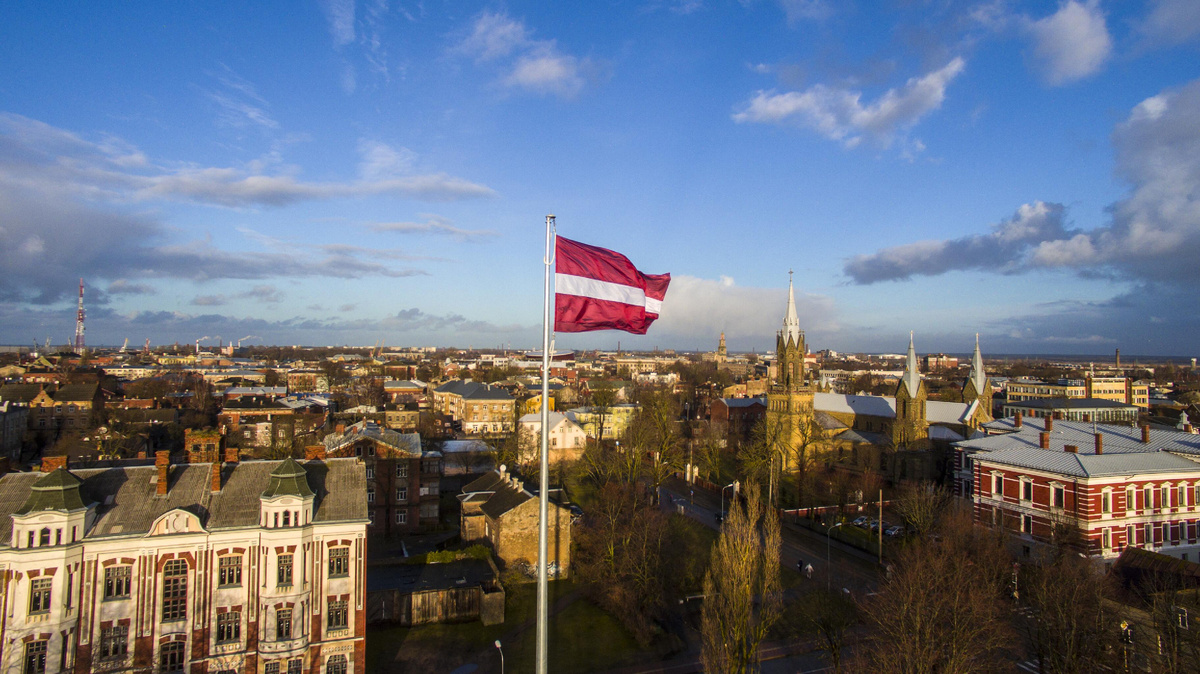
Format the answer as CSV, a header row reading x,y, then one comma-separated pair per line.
x,y
250,567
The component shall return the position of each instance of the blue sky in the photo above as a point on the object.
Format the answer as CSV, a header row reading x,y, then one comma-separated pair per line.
x,y
347,172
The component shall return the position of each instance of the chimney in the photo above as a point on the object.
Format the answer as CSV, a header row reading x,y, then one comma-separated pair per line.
x,y
1187,428
340,428
216,477
1044,440
1017,420
231,455
52,463
1071,449
1049,424
314,453
1099,443
162,461
1145,433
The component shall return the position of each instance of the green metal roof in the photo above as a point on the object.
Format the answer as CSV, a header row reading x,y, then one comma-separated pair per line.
x,y
288,479
59,490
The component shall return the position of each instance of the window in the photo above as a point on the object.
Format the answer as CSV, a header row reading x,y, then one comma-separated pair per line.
x,y
229,626
1181,617
1107,539
339,562
401,517
39,595
370,495
998,484
283,625
283,575
1166,498
1129,536
402,494
230,570
295,665
1182,495
1026,524
175,593
1106,502
287,518
114,641
337,615
1129,500
271,668
401,470
44,538
1026,490
35,657
1058,496
370,472
1148,535
336,665
170,657
117,582
1147,498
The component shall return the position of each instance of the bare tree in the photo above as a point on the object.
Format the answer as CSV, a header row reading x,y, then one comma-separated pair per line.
x,y
921,506
1072,628
832,615
743,595
654,431
942,611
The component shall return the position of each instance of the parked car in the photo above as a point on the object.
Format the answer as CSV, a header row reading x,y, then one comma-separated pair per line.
x,y
861,521
894,531
874,526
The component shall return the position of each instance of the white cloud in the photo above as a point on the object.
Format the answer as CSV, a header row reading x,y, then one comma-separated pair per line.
x,y
1072,43
536,66
340,15
380,160
839,114
239,104
434,224
806,10
1171,22
545,70
698,306
1153,236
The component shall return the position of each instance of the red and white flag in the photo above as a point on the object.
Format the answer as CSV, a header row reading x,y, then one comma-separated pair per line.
x,y
599,289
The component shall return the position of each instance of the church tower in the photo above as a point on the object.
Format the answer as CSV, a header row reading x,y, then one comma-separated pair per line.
x,y
978,387
722,354
911,425
789,346
790,397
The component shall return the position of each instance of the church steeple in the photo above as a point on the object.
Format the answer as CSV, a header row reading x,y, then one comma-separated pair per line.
x,y
977,376
791,322
912,376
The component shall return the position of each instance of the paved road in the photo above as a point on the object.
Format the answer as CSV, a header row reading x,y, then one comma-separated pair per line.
x,y
851,567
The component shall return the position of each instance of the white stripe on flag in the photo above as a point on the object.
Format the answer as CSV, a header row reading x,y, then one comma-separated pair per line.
x,y
569,284
653,306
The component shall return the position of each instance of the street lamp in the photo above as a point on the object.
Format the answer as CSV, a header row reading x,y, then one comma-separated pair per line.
x,y
501,656
828,568
723,497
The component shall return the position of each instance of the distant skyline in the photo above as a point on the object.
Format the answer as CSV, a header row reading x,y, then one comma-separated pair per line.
x,y
340,173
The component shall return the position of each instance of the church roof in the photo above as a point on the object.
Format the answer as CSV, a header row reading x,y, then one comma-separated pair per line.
x,y
791,321
977,376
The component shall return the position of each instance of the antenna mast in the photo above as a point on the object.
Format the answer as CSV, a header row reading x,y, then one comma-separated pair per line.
x,y
80,347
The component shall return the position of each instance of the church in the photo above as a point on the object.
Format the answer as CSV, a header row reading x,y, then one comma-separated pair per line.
x,y
903,437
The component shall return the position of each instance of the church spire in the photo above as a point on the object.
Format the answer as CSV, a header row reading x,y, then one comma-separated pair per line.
x,y
912,376
978,376
791,322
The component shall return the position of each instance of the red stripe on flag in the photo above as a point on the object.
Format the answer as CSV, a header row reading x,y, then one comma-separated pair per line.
x,y
573,313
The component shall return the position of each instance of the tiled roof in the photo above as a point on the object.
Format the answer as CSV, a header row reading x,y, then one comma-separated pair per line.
x,y
936,411
408,443
76,393
1090,465
473,390
127,501
20,393
1118,439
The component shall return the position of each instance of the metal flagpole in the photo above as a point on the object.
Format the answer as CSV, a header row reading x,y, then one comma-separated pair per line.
x,y
543,604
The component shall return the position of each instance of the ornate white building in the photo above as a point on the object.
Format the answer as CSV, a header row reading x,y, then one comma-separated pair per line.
x,y
249,567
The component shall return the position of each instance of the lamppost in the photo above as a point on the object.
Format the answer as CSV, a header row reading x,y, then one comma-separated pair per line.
x,y
723,497
828,568
501,656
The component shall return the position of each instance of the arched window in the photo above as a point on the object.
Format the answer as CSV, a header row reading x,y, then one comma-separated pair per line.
x,y
287,518
45,537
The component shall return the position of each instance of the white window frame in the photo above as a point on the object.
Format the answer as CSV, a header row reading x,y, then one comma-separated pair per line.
x,y
997,484
1026,482
1057,489
1106,501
